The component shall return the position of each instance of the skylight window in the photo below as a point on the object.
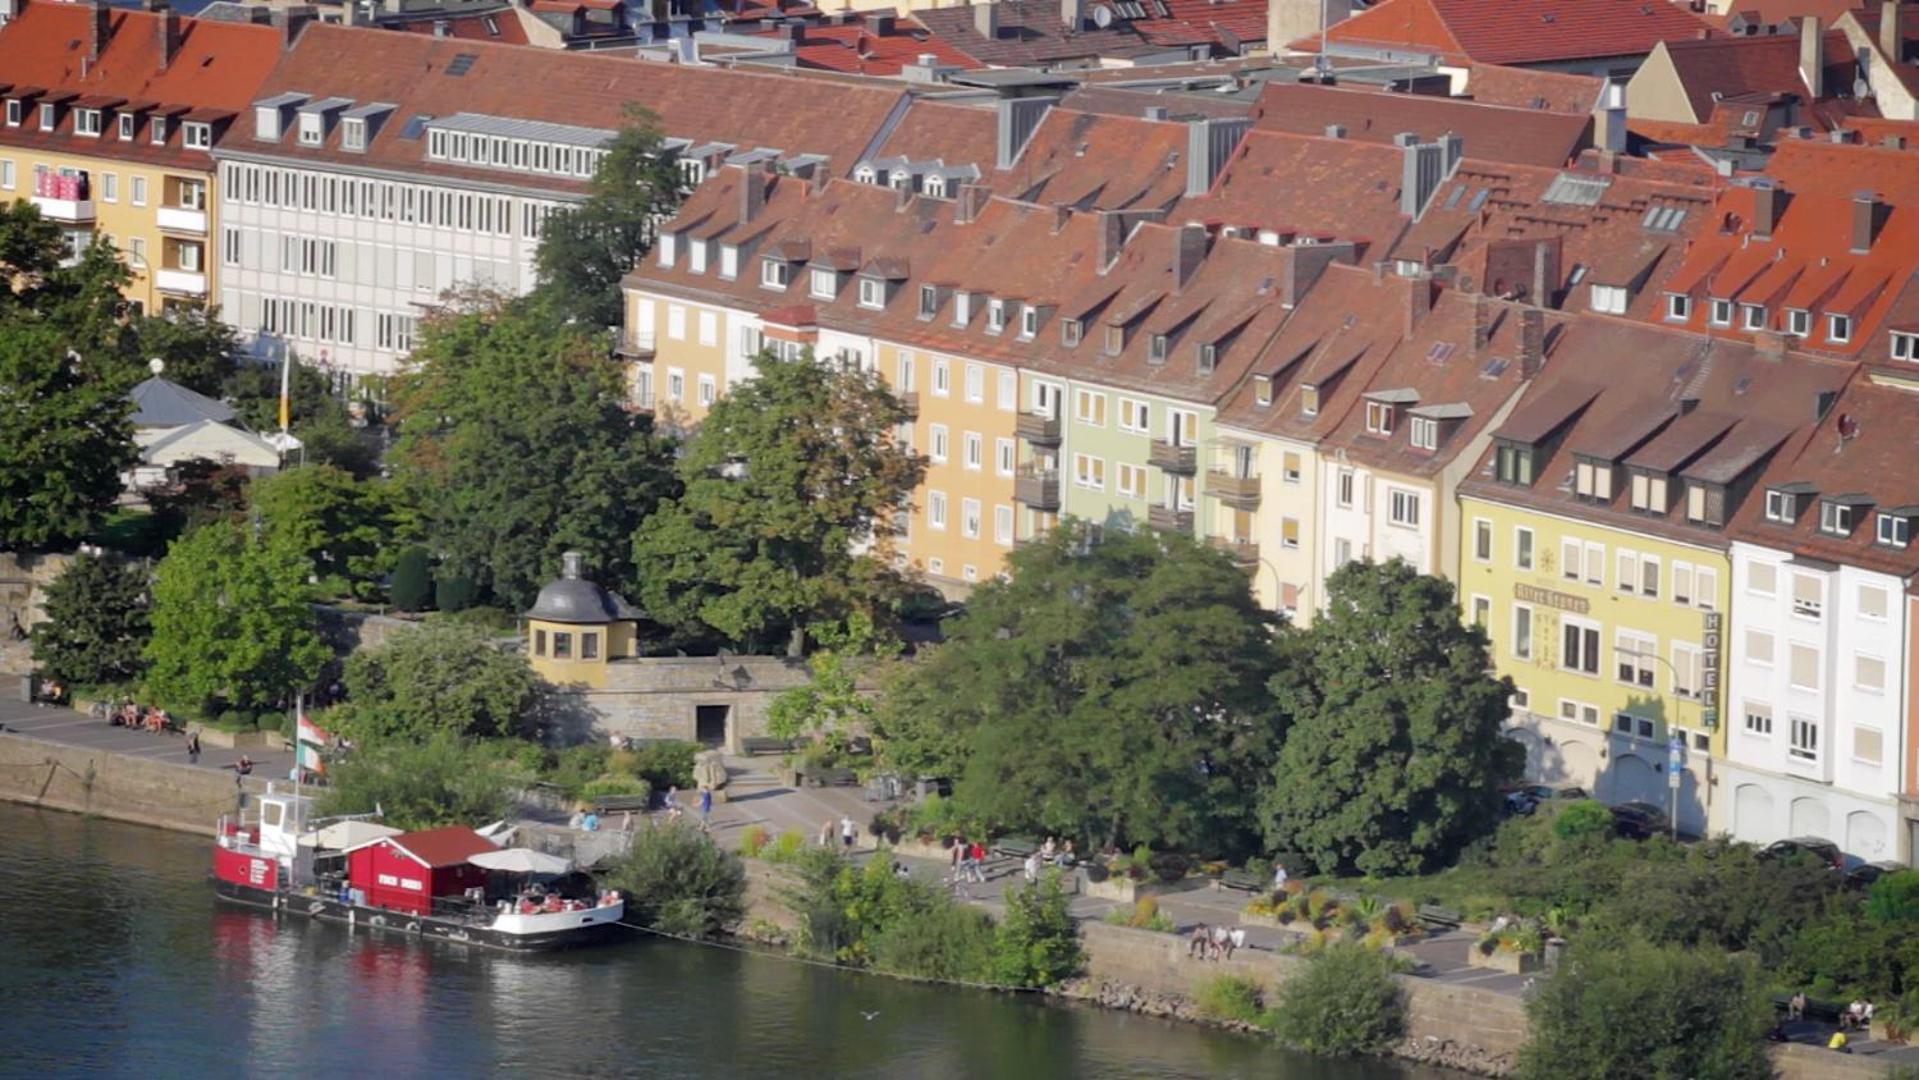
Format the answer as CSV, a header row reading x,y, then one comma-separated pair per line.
x,y
461,63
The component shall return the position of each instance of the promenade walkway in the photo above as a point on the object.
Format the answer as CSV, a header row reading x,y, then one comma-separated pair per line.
x,y
73,728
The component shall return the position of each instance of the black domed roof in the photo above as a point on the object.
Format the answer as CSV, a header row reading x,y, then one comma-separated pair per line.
x,y
573,599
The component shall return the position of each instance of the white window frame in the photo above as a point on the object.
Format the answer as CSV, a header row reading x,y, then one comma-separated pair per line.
x,y
1424,433
1525,549
1403,507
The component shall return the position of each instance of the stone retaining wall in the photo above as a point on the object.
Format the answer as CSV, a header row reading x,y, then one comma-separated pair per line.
x,y
138,790
23,589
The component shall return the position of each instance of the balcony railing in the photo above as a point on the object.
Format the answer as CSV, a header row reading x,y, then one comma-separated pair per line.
x,y
1167,519
1234,489
1037,488
1037,428
1174,457
910,403
188,282
1245,553
181,219
71,211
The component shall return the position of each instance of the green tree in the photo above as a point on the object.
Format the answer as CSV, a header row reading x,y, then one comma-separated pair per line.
x,y
1894,898
1345,1001
344,526
1396,754
412,588
65,435
515,446
1112,690
96,622
1633,1010
31,248
585,251
441,676
830,706
786,476
231,622
678,881
197,491
442,780
196,347
1037,941
317,416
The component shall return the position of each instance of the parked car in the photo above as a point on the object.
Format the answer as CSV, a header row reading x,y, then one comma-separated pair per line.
x,y
1863,875
1824,850
1639,820
1525,797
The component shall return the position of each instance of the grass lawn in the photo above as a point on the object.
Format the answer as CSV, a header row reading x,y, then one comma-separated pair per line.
x,y
133,531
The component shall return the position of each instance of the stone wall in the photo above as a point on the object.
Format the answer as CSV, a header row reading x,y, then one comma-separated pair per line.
x,y
23,583
350,631
660,697
140,790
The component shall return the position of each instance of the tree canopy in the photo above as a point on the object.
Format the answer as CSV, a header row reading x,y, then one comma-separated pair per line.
x,y
1396,752
440,781
344,526
231,622
65,436
316,414
442,676
784,480
96,622
1112,690
586,250
515,446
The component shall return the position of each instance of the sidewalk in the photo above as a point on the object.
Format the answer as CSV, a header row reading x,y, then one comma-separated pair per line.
x,y
61,725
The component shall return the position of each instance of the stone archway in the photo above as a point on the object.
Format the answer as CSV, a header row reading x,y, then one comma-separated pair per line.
x,y
1810,818
1635,780
1867,838
1753,817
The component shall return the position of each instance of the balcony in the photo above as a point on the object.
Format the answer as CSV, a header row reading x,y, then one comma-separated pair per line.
x,y
1038,489
184,282
71,211
1244,553
1233,489
1173,457
910,404
1167,519
180,219
1037,429
633,346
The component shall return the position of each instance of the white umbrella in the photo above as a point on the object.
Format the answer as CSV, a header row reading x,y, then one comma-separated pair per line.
x,y
521,860
345,835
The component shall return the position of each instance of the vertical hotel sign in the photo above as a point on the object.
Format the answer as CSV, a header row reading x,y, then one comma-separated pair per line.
x,y
1709,687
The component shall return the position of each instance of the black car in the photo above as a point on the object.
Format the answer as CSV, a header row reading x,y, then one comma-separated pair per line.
x,y
1863,875
1526,797
1825,851
1639,820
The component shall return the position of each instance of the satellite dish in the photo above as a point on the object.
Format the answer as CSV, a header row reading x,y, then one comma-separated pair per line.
x,y
156,365
1102,16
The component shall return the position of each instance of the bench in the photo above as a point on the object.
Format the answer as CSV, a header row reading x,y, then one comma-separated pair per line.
x,y
1015,847
767,744
829,777
614,804
1438,918
1242,881
1828,1011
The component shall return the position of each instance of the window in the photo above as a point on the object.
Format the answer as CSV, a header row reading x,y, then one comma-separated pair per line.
x,y
1839,328
1289,467
1003,526
1208,357
975,384
970,518
1513,464
1869,673
589,646
929,301
1003,456
1569,553
86,122
157,130
995,315
1649,493
1482,540
1798,322
774,274
872,293
974,448
1835,518
1523,548
1579,712
676,384
7,178
1379,418
676,322
1720,312
1758,719
47,114
709,389
1579,647
1868,745
13,112
1804,742
109,187
1425,433
1028,322
709,329
312,129
1404,508
1130,481
1343,488
139,191
1522,632
197,136
1678,307
1872,602
823,284
1089,471
1593,480
1894,531
353,134
937,443
1482,610
1905,345
1780,508
1759,647
562,645
1262,390
751,341
1342,552
1609,299
1762,579
1008,391
1753,316
1134,416
137,251
1089,408
230,246
1633,656
942,378
1649,576
1309,400
1070,331
1156,349
936,509
1804,666
1808,596
1688,670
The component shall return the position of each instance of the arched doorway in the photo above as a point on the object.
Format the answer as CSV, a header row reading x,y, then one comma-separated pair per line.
x,y
1635,780
1866,836
1810,818
1752,814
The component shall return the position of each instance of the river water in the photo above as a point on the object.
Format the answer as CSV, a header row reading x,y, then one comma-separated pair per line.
x,y
115,959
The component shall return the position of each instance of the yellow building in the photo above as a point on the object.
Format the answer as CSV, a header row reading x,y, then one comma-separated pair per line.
x,y
111,120
575,627
964,519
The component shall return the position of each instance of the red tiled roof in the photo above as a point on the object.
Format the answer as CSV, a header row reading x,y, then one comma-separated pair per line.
x,y
501,26
1332,188
1031,34
856,49
450,845
1710,69
1502,32
1778,12
1229,25
1528,88
1493,132
1099,162
952,133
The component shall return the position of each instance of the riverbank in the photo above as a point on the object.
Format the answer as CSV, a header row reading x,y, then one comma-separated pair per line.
x,y
144,791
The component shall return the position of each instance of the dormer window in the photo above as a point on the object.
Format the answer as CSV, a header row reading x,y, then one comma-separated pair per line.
x,y
1649,492
1513,463
1678,307
1705,503
1156,349
668,248
126,121
962,308
312,129
1115,340
1424,433
824,284
157,131
696,256
13,112
1593,480
872,293
1609,299
1835,518
1782,506
935,186
1070,331
196,135
1208,357
86,122
1719,312
353,134
1905,346
1753,316
774,274
1798,322
929,301
729,261
1309,400
48,114
901,180
1379,418
1262,390
1028,322
1894,530
865,175
1839,328
995,316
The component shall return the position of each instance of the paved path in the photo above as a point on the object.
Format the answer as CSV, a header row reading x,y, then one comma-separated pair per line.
x,y
78,729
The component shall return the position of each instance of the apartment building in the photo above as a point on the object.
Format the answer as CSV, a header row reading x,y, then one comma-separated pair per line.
x,y
373,171
111,119
1818,727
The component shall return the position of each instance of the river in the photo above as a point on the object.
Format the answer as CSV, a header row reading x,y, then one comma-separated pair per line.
x,y
115,959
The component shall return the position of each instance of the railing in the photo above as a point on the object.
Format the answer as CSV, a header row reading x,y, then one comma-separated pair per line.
x,y
1037,488
1167,519
910,403
1234,488
1038,428
1244,553
191,282
182,219
1173,457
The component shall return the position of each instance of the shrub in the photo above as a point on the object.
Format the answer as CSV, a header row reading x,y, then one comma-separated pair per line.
x,y
454,592
1143,915
1037,943
1345,1001
614,787
1169,866
940,939
1582,820
752,839
1231,998
572,768
412,584
442,781
677,881
1894,898
786,847
663,763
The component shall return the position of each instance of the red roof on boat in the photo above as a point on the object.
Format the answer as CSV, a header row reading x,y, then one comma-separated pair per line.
x,y
447,846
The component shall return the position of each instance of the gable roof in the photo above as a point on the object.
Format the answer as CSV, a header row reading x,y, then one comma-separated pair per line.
x,y
1502,32
1534,88
1032,34
869,47
1492,132
160,403
450,845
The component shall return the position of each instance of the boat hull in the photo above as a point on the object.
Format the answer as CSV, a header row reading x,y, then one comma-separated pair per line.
x,y
424,927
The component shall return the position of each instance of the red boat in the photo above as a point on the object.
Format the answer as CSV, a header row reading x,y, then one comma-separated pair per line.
x,y
453,883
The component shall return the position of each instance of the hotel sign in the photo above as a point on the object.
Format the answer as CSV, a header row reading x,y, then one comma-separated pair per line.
x,y
1709,660
1533,594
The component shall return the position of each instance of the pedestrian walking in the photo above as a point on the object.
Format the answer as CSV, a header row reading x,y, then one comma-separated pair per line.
x,y
1196,945
1032,867
826,833
1235,941
706,806
626,821
848,831
1221,938
1279,878
193,748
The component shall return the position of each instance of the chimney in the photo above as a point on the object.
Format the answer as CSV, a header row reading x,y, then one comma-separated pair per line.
x,y
1812,58
1018,117
879,25
1423,169
1482,323
1545,273
1189,250
1155,112
1770,344
1532,342
752,193
1305,265
1208,144
1865,220
99,29
1335,131
441,26
1611,118
1453,147
1112,237
986,21
292,20
1419,301
1072,13
572,564
1766,205
1890,41
971,203
166,28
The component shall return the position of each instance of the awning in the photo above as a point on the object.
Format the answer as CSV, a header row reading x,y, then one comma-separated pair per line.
x,y
344,835
521,860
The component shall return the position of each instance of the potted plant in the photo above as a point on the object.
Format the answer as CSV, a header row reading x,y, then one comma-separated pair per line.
x,y
1515,948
